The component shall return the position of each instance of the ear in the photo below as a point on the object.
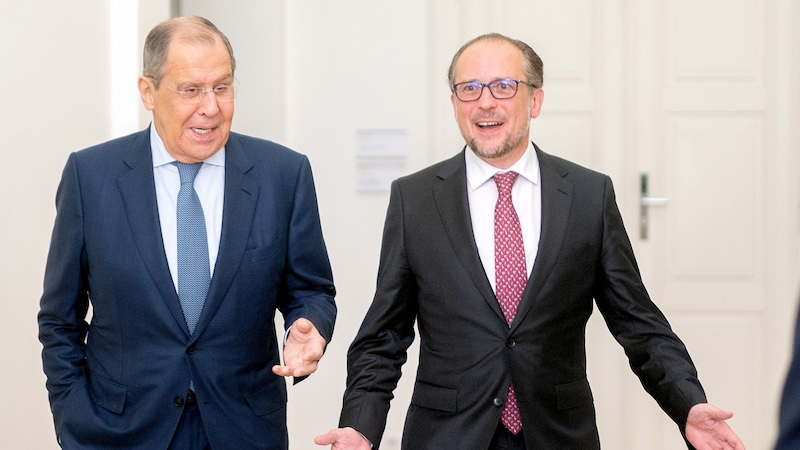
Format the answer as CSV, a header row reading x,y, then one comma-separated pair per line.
x,y
146,90
537,97
455,109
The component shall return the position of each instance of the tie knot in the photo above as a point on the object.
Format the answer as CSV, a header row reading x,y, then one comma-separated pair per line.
x,y
188,172
505,181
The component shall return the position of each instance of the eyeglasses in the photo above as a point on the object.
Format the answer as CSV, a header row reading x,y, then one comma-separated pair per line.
x,y
194,95
504,88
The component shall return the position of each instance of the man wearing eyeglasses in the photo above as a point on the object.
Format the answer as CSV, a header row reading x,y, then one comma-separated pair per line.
x,y
497,255
183,239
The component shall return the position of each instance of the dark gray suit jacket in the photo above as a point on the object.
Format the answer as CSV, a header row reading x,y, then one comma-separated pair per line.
x,y
430,272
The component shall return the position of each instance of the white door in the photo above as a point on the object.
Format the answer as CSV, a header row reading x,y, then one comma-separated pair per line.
x,y
708,130
696,96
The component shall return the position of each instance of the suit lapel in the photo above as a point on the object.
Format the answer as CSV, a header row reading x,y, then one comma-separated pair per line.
x,y
450,195
241,194
134,185
556,206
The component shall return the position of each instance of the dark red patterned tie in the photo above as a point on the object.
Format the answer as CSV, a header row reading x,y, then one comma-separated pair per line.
x,y
510,273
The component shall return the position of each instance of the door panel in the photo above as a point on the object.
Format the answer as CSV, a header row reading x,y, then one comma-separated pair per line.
x,y
704,145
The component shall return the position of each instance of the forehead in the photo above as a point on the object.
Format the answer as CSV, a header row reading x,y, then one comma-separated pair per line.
x,y
198,57
489,60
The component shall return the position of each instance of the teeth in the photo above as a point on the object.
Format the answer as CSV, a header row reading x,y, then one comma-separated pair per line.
x,y
488,124
202,130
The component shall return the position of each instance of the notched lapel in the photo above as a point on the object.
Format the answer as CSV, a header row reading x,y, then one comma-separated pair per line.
x,y
450,195
557,196
241,196
136,186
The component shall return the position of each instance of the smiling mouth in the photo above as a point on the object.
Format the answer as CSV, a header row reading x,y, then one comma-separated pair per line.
x,y
202,130
489,124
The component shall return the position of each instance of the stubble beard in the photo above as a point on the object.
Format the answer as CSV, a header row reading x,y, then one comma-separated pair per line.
x,y
504,148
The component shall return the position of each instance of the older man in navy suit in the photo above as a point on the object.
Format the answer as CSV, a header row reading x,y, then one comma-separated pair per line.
x,y
181,351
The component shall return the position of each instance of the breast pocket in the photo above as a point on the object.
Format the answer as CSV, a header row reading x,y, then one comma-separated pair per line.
x,y
577,253
273,251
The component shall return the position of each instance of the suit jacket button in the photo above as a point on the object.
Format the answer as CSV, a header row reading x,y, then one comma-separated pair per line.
x,y
192,348
177,401
498,401
511,343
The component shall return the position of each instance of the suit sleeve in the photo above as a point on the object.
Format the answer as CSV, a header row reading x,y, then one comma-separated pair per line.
x,y
65,300
308,289
655,353
789,432
378,352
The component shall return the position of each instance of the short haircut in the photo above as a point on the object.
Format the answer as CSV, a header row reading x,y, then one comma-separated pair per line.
x,y
190,29
533,66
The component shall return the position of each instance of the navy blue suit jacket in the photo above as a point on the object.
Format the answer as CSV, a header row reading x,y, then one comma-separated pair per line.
x,y
119,380
789,435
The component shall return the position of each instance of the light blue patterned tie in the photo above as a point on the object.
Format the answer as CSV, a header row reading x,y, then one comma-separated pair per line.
x,y
193,266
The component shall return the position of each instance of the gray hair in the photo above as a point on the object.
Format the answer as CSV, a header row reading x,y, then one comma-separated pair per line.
x,y
533,65
191,29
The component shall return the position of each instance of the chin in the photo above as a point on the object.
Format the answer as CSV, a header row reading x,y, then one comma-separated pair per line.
x,y
492,153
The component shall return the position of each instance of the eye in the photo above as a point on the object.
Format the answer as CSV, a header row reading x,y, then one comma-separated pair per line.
x,y
222,89
504,85
469,87
191,91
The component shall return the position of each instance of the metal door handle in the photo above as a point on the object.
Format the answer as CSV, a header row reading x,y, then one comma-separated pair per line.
x,y
654,201
645,203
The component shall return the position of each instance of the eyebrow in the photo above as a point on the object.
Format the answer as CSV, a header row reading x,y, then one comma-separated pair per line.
x,y
226,79
490,81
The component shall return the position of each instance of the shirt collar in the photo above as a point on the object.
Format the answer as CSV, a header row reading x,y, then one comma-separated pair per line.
x,y
479,171
162,157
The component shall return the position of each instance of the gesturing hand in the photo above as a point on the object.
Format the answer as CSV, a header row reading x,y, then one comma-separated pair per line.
x,y
343,439
706,429
303,350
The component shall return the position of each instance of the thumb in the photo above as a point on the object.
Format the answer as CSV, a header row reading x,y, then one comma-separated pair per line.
x,y
718,413
302,325
724,415
325,439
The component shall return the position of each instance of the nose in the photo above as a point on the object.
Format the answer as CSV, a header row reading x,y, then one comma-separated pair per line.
x,y
209,105
486,100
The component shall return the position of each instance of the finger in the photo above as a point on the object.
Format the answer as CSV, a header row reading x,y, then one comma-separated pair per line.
x,y
289,371
307,354
283,371
306,369
312,354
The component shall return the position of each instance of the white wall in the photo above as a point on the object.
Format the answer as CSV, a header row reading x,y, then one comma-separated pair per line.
x,y
360,67
56,64
54,67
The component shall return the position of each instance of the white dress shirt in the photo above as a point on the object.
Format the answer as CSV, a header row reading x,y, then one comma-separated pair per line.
x,y
526,195
210,187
